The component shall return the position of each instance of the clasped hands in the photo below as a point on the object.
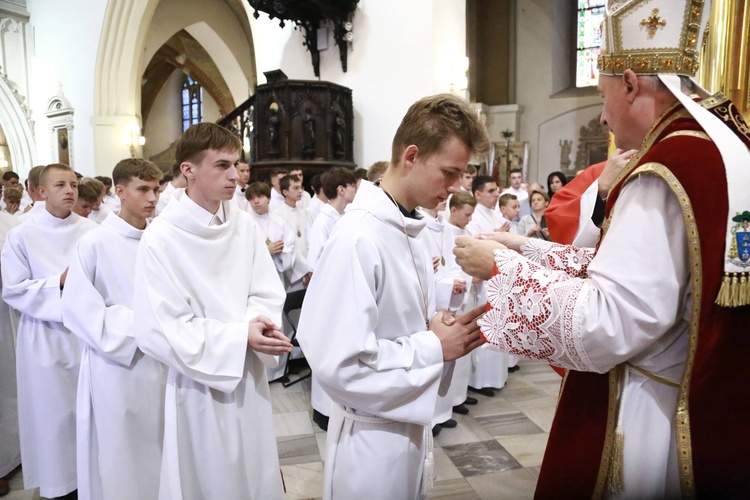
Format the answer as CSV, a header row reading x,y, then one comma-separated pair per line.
x,y
264,336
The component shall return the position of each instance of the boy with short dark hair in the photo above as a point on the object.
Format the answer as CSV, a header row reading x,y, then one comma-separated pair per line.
x,y
277,199
120,390
35,261
207,304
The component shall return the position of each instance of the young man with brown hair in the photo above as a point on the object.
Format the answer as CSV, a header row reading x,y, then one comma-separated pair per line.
x,y
207,304
277,199
368,328
120,404
88,197
35,261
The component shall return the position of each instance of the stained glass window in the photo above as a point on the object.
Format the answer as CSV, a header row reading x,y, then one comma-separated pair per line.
x,y
192,102
588,41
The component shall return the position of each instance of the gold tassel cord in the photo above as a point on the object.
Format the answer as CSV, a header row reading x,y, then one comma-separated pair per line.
x,y
734,290
615,480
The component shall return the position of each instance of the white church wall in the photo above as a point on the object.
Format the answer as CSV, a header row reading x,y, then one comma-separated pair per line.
x,y
66,39
536,64
566,126
163,125
390,62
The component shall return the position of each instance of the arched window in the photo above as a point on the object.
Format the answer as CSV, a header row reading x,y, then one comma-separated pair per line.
x,y
588,41
192,102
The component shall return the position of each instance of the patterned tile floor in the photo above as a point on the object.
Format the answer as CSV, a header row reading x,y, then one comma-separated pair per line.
x,y
494,452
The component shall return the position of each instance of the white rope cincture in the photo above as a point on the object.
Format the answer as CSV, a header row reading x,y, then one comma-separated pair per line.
x,y
428,472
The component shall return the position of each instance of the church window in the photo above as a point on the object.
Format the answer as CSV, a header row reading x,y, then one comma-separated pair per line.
x,y
588,41
192,102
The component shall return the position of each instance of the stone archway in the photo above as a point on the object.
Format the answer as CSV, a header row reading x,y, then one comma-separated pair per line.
x,y
18,130
118,71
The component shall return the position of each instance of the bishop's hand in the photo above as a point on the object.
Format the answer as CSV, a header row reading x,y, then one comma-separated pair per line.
x,y
462,335
509,240
264,336
475,256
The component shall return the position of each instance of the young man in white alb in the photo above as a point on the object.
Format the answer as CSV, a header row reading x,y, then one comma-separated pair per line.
x,y
243,177
294,220
35,260
277,199
339,186
517,188
120,404
489,368
368,329
207,302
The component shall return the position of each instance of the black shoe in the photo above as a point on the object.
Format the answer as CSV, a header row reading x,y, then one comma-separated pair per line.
x,y
436,430
514,369
321,420
449,424
471,401
485,391
460,409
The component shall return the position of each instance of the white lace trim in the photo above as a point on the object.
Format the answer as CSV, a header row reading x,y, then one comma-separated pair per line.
x,y
536,313
554,256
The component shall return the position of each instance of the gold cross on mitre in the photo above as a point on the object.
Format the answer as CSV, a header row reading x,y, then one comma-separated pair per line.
x,y
653,23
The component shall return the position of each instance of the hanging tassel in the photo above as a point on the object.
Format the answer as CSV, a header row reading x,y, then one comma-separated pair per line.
x,y
734,289
428,473
744,290
724,294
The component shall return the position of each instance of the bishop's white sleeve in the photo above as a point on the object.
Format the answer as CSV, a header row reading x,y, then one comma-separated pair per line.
x,y
636,292
107,329
396,379
558,257
209,351
38,298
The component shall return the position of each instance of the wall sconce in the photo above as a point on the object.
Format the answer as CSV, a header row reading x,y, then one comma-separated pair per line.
x,y
3,162
132,137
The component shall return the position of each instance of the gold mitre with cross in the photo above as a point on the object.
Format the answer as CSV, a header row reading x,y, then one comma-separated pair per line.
x,y
653,36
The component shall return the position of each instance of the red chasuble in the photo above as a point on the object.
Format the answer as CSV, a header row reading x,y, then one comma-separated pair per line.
x,y
713,413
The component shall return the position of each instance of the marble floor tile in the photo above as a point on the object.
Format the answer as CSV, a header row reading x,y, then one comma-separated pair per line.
x,y
541,416
289,402
292,424
535,471
320,439
527,450
491,406
510,485
543,400
484,457
17,492
453,489
444,467
508,424
303,481
522,394
298,450
467,431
